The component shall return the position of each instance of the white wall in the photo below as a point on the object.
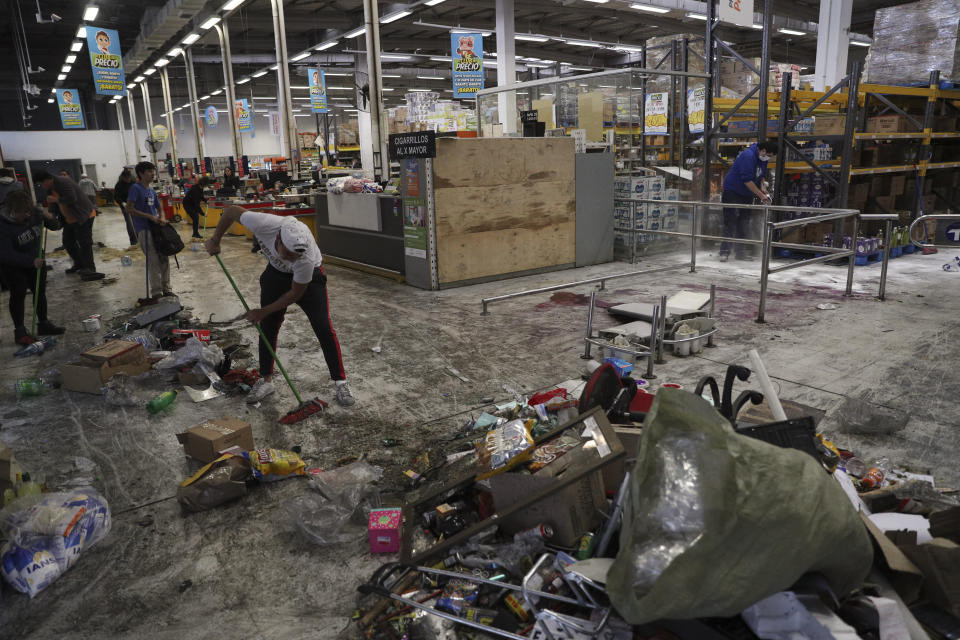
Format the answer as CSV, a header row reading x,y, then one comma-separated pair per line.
x,y
102,148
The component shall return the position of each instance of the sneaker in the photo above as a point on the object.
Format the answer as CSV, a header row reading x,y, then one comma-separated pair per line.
x,y
197,235
724,257
23,338
49,329
344,397
90,276
260,390
167,294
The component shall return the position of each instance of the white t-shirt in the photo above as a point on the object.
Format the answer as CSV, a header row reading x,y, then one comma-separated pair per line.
x,y
266,227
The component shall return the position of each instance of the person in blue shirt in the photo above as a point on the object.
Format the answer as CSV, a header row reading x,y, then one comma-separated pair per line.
x,y
144,211
743,183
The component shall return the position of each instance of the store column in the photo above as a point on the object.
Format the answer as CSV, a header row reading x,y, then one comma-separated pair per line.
x,y
194,110
148,114
224,35
133,125
287,121
123,131
372,121
168,104
506,66
833,43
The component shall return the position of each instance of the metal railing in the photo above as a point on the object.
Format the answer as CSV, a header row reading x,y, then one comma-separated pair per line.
x,y
926,230
766,243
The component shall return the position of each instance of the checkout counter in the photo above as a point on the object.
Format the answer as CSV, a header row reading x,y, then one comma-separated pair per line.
x,y
362,230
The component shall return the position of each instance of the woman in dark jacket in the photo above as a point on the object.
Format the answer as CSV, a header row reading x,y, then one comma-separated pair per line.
x,y
230,182
21,235
120,191
191,203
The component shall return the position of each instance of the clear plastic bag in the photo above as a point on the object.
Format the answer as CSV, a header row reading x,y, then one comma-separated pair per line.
x,y
192,352
340,510
117,392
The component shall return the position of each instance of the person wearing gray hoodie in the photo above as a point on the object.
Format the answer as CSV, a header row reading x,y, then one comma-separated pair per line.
x,y
78,214
8,183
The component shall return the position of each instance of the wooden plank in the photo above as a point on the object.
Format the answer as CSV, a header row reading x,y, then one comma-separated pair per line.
x,y
531,205
492,253
488,162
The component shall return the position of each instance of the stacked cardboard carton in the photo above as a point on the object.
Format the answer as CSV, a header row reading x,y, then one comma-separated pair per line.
x,y
911,40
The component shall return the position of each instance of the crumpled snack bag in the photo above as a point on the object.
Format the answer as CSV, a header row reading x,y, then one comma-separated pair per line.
x,y
270,465
222,480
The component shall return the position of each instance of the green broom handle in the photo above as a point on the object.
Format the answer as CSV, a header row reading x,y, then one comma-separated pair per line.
x,y
263,336
36,287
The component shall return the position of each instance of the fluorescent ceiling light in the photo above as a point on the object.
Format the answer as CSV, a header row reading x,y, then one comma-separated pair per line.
x,y
758,27
190,39
302,115
262,110
791,32
531,38
628,47
390,75
393,56
266,98
326,45
696,16
388,89
258,74
274,67
217,92
173,53
539,65
230,6
355,32
76,46
162,62
440,59
301,56
334,73
857,43
582,43
419,90
82,32
205,97
90,13
72,59
184,106
212,20
433,3
139,79
394,16
580,69
62,77
131,85
243,81
341,88
50,100
649,9
431,77
485,34
66,69
599,1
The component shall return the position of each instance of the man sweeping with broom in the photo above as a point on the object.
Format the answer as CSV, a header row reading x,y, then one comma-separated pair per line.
x,y
293,275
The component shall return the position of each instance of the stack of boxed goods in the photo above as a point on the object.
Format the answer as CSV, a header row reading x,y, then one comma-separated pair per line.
x,y
738,79
910,40
807,190
631,216
430,114
347,133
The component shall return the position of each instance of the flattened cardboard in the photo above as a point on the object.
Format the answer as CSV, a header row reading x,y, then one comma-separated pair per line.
x,y
904,575
96,366
206,440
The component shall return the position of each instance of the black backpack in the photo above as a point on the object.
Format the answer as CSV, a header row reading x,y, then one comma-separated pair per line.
x,y
166,240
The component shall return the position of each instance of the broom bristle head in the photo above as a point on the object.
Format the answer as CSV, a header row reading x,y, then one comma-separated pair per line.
x,y
304,411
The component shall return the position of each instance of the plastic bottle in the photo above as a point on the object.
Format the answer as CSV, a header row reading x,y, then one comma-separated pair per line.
x,y
9,495
162,401
28,488
27,387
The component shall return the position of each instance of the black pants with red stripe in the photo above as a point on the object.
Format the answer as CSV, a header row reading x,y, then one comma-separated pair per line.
x,y
273,284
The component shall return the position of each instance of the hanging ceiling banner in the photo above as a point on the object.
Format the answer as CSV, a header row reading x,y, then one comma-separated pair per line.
x,y
212,117
71,114
241,113
274,123
467,62
106,61
318,90
738,12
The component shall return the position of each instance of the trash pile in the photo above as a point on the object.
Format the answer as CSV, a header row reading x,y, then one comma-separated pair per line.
x,y
593,518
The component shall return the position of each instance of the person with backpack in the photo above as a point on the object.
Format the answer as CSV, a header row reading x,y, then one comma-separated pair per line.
x,y
78,214
21,236
143,208
191,203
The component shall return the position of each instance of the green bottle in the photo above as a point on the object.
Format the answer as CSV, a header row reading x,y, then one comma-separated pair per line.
x,y
9,495
27,387
162,401
28,488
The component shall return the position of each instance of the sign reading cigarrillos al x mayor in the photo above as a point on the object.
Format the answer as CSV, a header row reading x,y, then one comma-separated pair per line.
x,y
421,144
106,61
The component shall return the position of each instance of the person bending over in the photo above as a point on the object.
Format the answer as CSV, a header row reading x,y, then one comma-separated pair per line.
x,y
78,214
742,184
21,236
293,275
191,203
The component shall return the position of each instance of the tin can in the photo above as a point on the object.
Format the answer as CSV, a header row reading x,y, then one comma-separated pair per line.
x,y
872,479
585,550
542,531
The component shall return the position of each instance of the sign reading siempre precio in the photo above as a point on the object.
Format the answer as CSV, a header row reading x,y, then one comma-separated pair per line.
x,y
422,144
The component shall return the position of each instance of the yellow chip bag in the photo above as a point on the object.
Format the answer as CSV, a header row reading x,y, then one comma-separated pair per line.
x,y
275,464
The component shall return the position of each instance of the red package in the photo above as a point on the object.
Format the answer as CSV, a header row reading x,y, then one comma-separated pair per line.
x,y
544,396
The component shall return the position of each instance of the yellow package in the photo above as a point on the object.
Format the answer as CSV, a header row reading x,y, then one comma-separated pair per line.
x,y
275,464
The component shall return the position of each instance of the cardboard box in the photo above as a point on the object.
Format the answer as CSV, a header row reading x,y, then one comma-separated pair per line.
x,y
886,203
890,124
830,125
880,185
868,156
944,123
929,203
859,191
898,182
206,440
384,530
8,465
97,365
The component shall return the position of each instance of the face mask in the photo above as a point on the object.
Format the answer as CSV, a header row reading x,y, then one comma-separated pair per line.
x,y
764,157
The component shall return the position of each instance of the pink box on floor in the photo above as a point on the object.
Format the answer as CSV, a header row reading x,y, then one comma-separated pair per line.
x,y
384,530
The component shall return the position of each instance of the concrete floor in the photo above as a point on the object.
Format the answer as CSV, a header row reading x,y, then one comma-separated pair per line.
x,y
883,371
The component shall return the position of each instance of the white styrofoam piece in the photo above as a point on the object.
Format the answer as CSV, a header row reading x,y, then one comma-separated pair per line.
x,y
639,328
783,617
644,311
688,300
900,521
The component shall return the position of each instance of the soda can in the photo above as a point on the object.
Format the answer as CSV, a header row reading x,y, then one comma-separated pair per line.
x,y
585,550
872,479
542,531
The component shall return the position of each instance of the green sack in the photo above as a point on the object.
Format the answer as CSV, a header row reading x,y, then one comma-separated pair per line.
x,y
716,521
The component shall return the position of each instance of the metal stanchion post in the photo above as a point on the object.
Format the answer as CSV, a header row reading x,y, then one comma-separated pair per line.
x,y
586,350
853,256
765,263
713,301
654,323
662,329
693,240
887,233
